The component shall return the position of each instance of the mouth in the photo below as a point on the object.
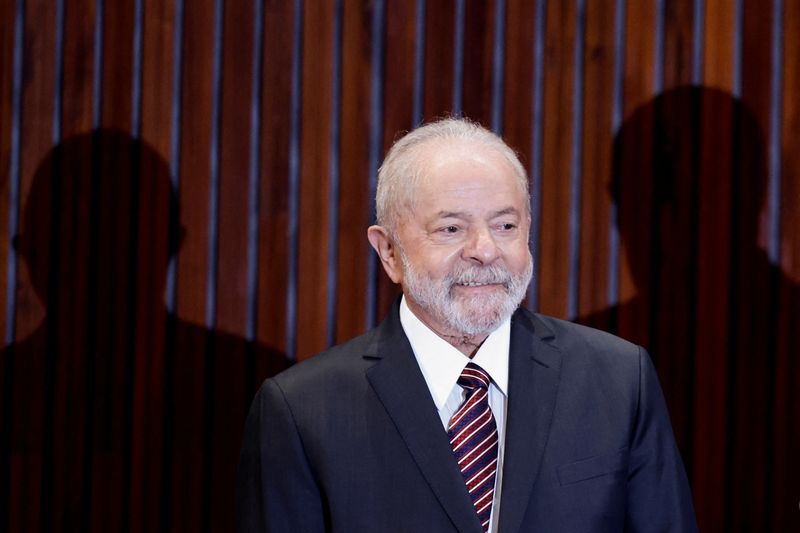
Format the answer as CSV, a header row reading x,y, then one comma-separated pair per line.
x,y
477,284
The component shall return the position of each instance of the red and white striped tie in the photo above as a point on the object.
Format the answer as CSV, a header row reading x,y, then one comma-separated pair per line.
x,y
473,436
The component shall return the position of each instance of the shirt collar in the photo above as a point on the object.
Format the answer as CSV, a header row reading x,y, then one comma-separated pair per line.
x,y
441,363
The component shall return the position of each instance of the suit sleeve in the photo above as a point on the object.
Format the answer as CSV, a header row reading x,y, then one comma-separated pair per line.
x,y
276,489
659,499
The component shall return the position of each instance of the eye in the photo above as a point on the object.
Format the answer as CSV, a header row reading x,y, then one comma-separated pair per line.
x,y
449,230
506,226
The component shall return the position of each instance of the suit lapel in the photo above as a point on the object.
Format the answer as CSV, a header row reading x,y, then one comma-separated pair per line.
x,y
534,368
401,388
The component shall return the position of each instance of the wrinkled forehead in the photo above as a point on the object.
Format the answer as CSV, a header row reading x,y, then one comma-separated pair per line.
x,y
435,156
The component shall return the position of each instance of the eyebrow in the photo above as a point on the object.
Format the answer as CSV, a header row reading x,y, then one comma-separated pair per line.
x,y
510,210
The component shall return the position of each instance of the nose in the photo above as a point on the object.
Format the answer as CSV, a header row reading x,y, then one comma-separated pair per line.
x,y
480,247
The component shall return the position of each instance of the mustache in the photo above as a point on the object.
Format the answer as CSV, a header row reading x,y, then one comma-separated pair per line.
x,y
494,274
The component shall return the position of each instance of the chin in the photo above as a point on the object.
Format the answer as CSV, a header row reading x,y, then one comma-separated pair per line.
x,y
480,317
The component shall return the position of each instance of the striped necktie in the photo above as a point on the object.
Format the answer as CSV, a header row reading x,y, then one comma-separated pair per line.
x,y
473,436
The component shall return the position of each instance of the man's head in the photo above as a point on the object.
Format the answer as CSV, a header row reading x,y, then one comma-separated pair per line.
x,y
453,221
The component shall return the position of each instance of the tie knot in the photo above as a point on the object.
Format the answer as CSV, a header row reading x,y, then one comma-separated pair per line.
x,y
473,377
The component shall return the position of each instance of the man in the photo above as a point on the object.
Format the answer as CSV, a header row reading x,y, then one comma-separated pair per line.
x,y
461,412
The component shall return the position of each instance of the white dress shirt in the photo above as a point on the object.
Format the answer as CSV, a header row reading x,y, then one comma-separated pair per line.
x,y
441,364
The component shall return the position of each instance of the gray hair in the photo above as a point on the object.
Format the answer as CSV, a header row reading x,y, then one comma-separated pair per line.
x,y
402,169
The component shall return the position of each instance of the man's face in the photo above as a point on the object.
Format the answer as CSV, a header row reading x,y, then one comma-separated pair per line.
x,y
464,244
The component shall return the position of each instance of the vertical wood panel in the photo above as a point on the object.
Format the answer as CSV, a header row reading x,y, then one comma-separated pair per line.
x,y
155,247
237,64
353,200
229,358
30,470
314,179
752,325
479,25
7,173
597,160
718,44
518,82
713,277
635,282
125,370
674,326
273,215
678,37
786,435
557,145
190,350
78,68
117,64
439,75
401,21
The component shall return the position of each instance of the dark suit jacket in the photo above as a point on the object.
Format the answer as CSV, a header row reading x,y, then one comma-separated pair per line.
x,y
350,441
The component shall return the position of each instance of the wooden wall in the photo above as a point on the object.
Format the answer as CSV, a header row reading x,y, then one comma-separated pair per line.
x,y
185,188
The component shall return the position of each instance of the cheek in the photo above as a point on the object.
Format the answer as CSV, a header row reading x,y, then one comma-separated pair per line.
x,y
517,257
436,261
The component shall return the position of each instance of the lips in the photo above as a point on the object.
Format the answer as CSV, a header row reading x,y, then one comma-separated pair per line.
x,y
480,283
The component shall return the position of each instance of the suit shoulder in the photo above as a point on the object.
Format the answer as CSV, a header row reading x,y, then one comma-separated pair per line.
x,y
334,364
578,342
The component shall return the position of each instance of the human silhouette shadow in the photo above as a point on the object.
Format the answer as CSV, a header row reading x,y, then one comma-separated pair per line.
x,y
116,414
720,320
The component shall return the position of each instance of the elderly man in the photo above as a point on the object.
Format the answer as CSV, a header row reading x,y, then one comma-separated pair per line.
x,y
461,412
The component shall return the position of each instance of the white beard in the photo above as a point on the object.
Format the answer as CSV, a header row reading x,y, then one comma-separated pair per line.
x,y
467,315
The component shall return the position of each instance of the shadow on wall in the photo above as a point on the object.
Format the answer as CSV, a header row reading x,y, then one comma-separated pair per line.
x,y
720,320
116,415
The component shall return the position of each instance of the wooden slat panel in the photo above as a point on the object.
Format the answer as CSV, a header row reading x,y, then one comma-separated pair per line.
x,y
786,401
237,61
7,16
117,112
101,495
196,106
79,72
518,85
354,200
273,213
398,104
478,60
229,360
157,74
314,179
713,275
117,65
635,282
678,36
753,291
439,35
157,235
557,144
674,328
597,160
190,346
718,44
7,41
713,284
30,471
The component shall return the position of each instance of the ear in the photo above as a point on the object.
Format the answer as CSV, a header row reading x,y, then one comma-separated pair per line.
x,y
387,251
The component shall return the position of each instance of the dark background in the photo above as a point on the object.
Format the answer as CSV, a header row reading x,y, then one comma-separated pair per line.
x,y
185,188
